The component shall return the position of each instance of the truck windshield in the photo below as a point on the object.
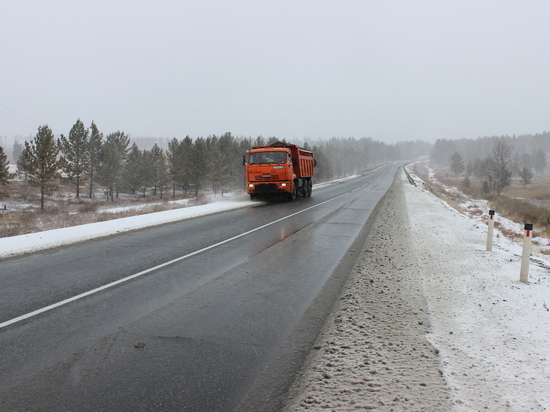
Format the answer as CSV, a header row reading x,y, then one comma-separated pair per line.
x,y
267,157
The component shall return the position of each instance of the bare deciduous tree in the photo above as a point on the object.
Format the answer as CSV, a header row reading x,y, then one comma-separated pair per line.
x,y
497,166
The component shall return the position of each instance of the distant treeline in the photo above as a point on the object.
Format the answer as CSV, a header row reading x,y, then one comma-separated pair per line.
x,y
114,163
494,160
527,151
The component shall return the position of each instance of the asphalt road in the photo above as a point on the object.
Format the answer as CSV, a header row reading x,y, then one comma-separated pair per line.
x,y
211,314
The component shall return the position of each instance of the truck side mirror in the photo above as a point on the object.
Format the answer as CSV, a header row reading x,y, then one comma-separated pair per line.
x,y
244,160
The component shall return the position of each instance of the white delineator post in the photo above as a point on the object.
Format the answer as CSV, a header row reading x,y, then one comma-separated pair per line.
x,y
491,224
524,274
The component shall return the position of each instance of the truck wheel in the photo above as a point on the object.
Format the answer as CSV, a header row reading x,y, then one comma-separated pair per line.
x,y
309,188
252,196
293,193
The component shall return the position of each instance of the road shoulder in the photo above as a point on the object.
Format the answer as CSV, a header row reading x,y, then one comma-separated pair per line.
x,y
373,352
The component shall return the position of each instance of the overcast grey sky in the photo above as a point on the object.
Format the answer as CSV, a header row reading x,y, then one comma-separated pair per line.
x,y
390,70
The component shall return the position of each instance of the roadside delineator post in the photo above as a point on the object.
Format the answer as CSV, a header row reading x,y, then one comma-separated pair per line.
x,y
524,274
491,224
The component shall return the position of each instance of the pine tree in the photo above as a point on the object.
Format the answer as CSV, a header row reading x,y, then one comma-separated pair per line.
x,y
526,175
132,168
113,156
76,153
95,144
175,164
187,147
22,167
5,174
39,159
199,164
457,164
146,171
160,169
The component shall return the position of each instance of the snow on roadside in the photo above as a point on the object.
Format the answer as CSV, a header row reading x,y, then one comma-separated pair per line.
x,y
33,242
489,331
478,208
492,331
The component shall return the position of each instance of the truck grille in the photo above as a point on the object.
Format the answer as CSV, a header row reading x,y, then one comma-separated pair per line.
x,y
266,178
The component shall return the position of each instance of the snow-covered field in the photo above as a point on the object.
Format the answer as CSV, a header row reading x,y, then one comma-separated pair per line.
x,y
431,321
428,321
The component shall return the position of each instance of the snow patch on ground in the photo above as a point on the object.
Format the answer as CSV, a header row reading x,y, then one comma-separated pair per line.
x,y
492,330
430,320
16,245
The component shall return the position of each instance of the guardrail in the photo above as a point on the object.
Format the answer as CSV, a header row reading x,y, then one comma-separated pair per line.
x,y
411,180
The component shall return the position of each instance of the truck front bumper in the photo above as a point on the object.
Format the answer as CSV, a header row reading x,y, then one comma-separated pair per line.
x,y
276,187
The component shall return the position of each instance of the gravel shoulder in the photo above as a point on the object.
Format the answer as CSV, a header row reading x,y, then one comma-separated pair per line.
x,y
430,320
374,353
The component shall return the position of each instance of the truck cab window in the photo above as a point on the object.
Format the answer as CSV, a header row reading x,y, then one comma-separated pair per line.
x,y
267,157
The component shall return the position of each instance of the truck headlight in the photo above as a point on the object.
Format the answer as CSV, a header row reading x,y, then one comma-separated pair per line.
x,y
251,185
283,184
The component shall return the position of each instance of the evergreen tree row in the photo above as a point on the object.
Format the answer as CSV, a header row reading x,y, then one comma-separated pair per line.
x,y
85,157
113,164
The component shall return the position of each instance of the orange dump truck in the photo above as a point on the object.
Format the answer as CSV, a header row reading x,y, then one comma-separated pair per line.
x,y
279,170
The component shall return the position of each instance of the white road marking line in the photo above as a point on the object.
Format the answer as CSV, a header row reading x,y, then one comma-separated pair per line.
x,y
110,285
